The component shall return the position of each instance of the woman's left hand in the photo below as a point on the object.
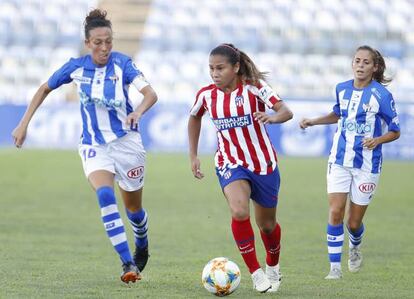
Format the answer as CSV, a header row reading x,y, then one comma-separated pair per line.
x,y
133,119
370,143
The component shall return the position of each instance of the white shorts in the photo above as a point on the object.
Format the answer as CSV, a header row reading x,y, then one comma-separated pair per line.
x,y
360,185
124,157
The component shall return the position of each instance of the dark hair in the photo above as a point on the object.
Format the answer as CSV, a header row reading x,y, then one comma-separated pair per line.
x,y
96,18
248,70
379,62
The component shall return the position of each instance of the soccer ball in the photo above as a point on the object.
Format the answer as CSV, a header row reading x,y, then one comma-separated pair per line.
x,y
221,276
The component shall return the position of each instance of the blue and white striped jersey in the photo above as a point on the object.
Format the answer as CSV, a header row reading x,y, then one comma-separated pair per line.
x,y
103,93
367,112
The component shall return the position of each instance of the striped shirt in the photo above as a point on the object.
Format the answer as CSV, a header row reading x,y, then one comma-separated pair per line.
x,y
103,93
367,112
241,139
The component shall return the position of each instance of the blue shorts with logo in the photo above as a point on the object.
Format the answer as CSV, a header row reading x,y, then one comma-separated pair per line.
x,y
265,188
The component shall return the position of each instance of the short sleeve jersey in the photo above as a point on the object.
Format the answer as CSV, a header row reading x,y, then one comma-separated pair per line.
x,y
367,112
242,140
103,93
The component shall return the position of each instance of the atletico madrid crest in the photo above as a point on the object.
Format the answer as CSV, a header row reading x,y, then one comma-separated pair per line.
x,y
239,100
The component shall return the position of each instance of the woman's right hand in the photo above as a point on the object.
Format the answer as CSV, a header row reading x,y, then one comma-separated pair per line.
x,y
19,135
305,122
195,168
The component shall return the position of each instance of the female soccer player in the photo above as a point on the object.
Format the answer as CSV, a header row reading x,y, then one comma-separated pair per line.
x,y
246,163
110,146
366,117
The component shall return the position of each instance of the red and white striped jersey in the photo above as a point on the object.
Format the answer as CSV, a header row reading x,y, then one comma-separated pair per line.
x,y
241,139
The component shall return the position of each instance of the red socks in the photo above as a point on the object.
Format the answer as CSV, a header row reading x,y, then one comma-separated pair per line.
x,y
244,237
272,244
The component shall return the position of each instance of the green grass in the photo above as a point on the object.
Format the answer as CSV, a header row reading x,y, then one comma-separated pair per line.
x,y
53,245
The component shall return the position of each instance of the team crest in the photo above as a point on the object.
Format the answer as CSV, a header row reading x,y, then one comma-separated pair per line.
x,y
239,100
114,78
227,174
366,107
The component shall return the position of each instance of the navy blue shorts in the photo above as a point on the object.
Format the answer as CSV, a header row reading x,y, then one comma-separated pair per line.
x,y
265,188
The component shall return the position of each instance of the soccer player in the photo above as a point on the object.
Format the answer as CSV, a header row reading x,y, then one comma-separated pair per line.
x,y
246,163
366,117
110,145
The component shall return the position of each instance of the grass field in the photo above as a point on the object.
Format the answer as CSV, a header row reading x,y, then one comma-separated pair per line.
x,y
53,245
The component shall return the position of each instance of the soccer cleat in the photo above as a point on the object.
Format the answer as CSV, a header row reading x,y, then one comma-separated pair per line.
x,y
141,257
274,276
130,273
335,273
260,281
355,259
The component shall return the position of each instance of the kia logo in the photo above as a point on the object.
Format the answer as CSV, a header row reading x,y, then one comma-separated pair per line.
x,y
367,187
136,172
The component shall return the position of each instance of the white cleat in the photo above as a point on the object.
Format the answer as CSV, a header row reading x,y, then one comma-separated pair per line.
x,y
335,273
355,259
274,276
260,281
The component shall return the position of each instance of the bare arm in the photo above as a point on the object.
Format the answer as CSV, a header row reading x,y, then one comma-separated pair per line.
x,y
19,133
194,128
150,98
282,114
371,143
328,119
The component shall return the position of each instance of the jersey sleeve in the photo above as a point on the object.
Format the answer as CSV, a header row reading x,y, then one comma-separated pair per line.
x,y
388,112
199,107
266,94
62,75
140,82
133,75
337,108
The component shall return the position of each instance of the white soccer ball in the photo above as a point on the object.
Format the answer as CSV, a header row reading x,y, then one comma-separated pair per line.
x,y
221,276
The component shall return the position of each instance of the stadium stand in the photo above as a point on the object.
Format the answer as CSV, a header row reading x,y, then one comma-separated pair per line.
x,y
305,45
35,39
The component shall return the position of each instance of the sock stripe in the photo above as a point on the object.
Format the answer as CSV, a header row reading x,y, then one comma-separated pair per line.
x,y
334,238
145,225
144,221
111,217
242,242
116,231
108,210
334,249
118,239
335,244
110,225
335,257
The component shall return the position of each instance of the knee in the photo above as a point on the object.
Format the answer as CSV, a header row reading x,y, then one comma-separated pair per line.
x,y
336,215
239,214
267,226
353,225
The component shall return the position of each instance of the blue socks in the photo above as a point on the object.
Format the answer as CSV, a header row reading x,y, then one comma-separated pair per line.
x,y
355,237
139,223
113,223
335,238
